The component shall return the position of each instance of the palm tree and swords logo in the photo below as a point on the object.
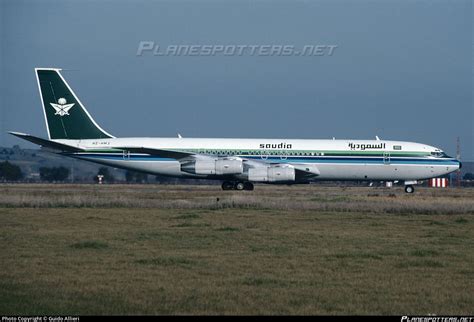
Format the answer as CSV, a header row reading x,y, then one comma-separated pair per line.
x,y
62,108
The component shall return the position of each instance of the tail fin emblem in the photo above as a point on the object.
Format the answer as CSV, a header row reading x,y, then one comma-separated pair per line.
x,y
62,108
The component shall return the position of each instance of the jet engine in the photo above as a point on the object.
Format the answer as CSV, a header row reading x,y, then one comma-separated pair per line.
x,y
272,174
213,167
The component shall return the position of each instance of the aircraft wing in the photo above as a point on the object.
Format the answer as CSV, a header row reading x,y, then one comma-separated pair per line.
x,y
46,143
159,152
303,171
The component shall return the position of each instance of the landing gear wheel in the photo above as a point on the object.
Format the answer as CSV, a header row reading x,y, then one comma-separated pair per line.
x,y
248,186
239,186
409,189
227,185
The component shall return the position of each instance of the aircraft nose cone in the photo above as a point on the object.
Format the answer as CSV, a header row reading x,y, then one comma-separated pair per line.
x,y
460,164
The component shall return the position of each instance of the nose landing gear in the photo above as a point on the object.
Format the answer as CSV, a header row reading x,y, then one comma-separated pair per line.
x,y
409,189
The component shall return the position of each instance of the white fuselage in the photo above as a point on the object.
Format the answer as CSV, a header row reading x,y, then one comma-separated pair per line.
x,y
334,159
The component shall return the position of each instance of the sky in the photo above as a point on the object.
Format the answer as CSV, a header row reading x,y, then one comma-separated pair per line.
x,y
401,69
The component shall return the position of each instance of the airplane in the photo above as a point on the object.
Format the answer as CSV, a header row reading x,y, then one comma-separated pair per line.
x,y
238,163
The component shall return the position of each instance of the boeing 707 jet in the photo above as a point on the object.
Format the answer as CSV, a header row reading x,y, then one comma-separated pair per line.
x,y
238,163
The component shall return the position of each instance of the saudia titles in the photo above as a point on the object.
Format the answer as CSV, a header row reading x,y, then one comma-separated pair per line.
x,y
357,146
282,145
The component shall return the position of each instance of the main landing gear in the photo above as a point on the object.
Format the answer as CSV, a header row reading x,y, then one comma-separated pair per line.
x,y
238,185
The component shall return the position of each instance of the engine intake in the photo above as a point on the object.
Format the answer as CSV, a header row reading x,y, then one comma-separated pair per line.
x,y
213,167
272,174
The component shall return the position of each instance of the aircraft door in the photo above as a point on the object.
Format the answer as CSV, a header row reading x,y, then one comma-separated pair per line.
x,y
386,158
126,155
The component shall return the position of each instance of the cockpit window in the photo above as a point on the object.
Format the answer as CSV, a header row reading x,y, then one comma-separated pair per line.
x,y
439,154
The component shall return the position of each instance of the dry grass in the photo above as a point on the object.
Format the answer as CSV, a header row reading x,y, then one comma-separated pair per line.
x,y
346,199
247,254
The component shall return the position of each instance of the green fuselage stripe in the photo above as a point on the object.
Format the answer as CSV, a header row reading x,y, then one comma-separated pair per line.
x,y
284,152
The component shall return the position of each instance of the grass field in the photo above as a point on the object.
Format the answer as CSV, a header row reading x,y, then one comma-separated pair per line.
x,y
145,249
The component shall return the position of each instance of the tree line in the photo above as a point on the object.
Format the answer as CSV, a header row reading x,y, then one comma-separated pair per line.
x,y
12,172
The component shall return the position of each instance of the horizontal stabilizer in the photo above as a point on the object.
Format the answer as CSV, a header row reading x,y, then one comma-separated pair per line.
x,y
46,143
158,152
